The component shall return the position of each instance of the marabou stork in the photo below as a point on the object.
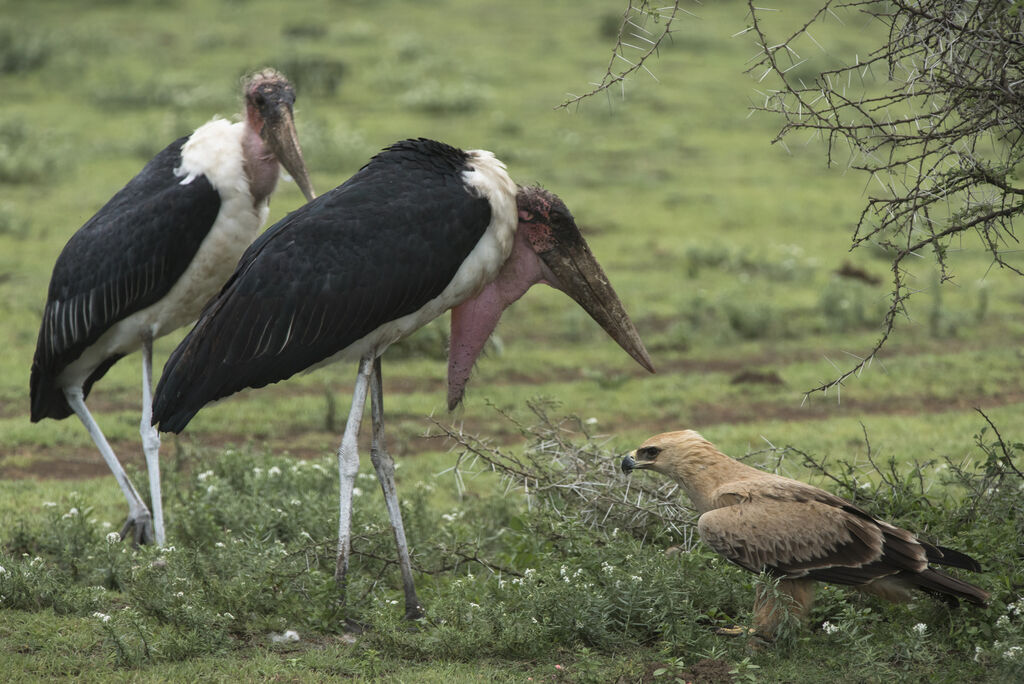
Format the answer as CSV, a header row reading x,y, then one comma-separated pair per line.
x,y
146,263
422,228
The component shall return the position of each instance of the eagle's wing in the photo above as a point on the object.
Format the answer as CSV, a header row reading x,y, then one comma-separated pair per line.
x,y
798,536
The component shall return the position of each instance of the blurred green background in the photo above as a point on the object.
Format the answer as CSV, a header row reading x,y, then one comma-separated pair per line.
x,y
730,253
724,247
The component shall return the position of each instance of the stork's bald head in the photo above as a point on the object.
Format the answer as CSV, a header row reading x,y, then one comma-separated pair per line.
x,y
669,453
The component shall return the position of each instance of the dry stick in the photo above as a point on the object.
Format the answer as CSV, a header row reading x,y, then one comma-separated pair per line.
x,y
611,77
959,72
565,474
1007,456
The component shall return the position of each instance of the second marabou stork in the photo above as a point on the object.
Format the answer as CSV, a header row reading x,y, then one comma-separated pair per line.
x,y
146,263
422,228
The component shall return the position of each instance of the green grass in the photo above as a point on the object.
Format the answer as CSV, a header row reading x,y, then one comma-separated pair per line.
x,y
722,246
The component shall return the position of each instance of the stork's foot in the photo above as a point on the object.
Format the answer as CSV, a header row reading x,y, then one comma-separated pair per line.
x,y
415,612
355,627
140,528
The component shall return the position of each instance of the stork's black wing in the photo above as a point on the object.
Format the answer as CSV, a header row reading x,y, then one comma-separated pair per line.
x,y
125,258
374,249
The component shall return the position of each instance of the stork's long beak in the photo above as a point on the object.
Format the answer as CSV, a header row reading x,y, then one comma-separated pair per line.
x,y
580,276
279,133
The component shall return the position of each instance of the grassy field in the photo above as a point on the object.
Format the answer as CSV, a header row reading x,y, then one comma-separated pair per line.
x,y
724,248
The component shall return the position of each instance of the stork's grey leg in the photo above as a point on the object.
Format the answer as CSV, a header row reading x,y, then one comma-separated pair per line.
x,y
151,440
348,467
385,467
138,522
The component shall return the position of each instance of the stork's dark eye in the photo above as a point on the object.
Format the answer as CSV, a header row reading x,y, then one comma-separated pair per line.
x,y
648,453
259,100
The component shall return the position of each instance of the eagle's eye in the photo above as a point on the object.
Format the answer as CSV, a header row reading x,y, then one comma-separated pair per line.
x,y
648,453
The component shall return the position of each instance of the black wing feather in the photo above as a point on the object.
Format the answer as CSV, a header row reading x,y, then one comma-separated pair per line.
x,y
372,250
124,259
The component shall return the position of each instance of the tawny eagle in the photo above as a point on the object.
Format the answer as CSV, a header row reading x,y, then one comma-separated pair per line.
x,y
797,532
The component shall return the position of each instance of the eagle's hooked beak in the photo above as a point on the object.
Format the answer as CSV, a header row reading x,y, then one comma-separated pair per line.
x,y
628,464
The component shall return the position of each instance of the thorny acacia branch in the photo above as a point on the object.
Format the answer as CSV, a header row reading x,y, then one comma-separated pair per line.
x,y
634,45
567,470
942,135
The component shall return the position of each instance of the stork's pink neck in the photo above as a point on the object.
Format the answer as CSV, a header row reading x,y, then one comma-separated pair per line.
x,y
261,166
474,320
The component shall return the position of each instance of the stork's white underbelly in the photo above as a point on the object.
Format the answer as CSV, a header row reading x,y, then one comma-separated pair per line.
x,y
236,226
489,179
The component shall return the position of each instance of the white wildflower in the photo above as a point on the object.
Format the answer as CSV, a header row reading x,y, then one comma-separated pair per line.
x,y
36,561
295,502
49,504
229,616
529,572
70,514
636,578
591,421
1003,622
180,594
257,471
203,475
606,568
274,471
114,538
106,524
1012,653
829,628
474,605
356,491
103,617
219,545
211,489
920,628
1017,608
3,571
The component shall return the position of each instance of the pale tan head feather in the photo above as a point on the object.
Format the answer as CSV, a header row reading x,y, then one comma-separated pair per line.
x,y
693,462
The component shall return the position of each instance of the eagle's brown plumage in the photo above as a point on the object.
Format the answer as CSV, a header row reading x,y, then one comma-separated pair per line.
x,y
798,532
